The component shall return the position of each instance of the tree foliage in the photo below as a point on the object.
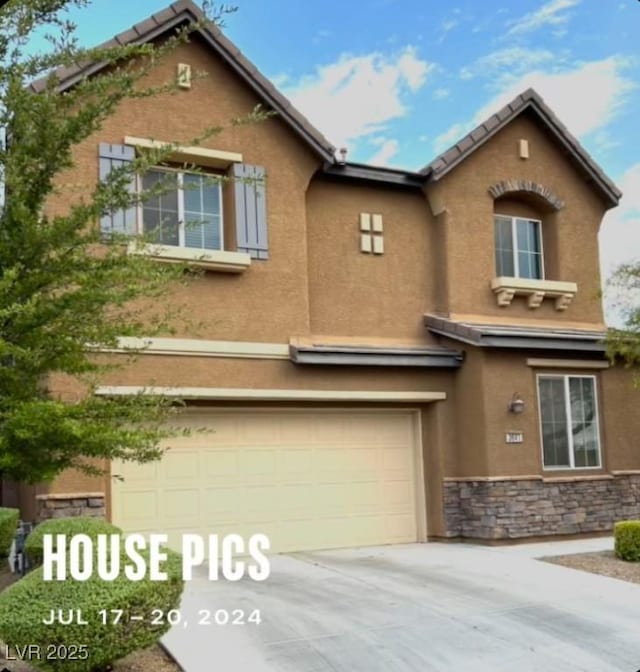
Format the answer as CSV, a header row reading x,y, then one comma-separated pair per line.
x,y
623,343
63,292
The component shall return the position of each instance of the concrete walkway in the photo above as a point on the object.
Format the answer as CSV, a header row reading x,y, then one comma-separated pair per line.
x,y
544,549
417,608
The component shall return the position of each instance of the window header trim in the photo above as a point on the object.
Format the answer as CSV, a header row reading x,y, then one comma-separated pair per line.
x,y
201,156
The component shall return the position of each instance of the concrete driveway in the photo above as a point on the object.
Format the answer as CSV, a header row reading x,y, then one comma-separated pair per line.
x,y
423,607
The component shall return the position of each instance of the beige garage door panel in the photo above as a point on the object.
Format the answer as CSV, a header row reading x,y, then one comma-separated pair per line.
x,y
308,480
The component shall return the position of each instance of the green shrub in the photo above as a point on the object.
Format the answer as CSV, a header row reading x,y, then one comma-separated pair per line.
x,y
627,540
69,526
8,526
26,603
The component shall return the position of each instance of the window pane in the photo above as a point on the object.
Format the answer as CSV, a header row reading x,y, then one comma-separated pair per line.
x,y
211,198
160,212
202,213
553,418
584,422
192,192
504,247
529,248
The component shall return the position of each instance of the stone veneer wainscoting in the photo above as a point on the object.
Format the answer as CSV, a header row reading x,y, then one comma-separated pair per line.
x,y
77,504
509,508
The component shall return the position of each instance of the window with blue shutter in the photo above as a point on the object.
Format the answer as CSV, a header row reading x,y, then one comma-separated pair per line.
x,y
185,209
121,221
250,210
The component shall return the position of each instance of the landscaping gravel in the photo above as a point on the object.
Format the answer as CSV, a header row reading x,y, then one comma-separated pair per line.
x,y
602,562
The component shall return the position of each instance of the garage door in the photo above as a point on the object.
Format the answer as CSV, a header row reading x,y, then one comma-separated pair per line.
x,y
309,480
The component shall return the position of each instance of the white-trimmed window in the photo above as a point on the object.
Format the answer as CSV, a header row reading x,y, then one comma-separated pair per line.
x,y
569,421
188,212
518,247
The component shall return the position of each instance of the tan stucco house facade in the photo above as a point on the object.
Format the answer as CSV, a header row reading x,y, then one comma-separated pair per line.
x,y
383,356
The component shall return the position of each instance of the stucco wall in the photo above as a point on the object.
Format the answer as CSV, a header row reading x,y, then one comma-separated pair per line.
x,y
273,294
506,373
470,251
360,294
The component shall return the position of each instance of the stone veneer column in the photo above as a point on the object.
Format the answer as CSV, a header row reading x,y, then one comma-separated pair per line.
x,y
75,504
513,508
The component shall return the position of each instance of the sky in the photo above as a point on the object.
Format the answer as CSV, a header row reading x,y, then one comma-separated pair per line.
x,y
398,81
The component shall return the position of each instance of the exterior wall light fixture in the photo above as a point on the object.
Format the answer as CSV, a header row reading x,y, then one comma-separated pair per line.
x,y
516,405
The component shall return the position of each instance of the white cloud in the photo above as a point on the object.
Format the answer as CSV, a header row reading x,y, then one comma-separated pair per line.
x,y
449,24
550,14
620,233
503,61
280,80
357,96
441,94
620,238
452,135
322,34
388,149
586,98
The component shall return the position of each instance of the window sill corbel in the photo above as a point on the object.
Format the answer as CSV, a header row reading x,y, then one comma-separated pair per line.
x,y
536,291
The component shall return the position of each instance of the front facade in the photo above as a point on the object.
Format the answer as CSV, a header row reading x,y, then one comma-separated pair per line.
x,y
381,356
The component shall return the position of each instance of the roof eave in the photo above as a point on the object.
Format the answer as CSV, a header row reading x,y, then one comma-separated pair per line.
x,y
526,342
374,174
337,355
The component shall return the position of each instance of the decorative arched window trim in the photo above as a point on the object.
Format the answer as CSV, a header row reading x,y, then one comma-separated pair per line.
x,y
506,187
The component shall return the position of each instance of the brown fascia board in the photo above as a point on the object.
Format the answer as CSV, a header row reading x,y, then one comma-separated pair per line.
x,y
528,100
183,12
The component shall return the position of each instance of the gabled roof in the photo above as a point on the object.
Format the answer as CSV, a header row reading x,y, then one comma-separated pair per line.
x,y
186,11
533,102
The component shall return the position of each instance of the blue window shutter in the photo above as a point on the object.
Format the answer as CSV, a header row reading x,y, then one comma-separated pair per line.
x,y
250,210
124,220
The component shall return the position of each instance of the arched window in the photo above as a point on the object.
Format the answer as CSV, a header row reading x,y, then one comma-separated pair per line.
x,y
519,249
525,230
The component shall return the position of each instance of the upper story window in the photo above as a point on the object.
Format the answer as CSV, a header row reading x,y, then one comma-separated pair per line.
x,y
188,212
185,215
569,422
518,247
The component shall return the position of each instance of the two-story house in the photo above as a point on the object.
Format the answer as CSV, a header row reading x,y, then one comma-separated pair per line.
x,y
384,356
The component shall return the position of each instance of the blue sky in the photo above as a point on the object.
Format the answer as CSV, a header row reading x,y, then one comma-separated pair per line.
x,y
398,81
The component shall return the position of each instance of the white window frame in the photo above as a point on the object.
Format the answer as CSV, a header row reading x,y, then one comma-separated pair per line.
x,y
567,400
181,216
514,242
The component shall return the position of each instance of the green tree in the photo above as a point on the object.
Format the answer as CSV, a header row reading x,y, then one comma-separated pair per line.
x,y
623,343
61,288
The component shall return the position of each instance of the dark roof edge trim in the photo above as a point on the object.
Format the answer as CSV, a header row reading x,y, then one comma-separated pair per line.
x,y
528,342
282,106
368,356
362,172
